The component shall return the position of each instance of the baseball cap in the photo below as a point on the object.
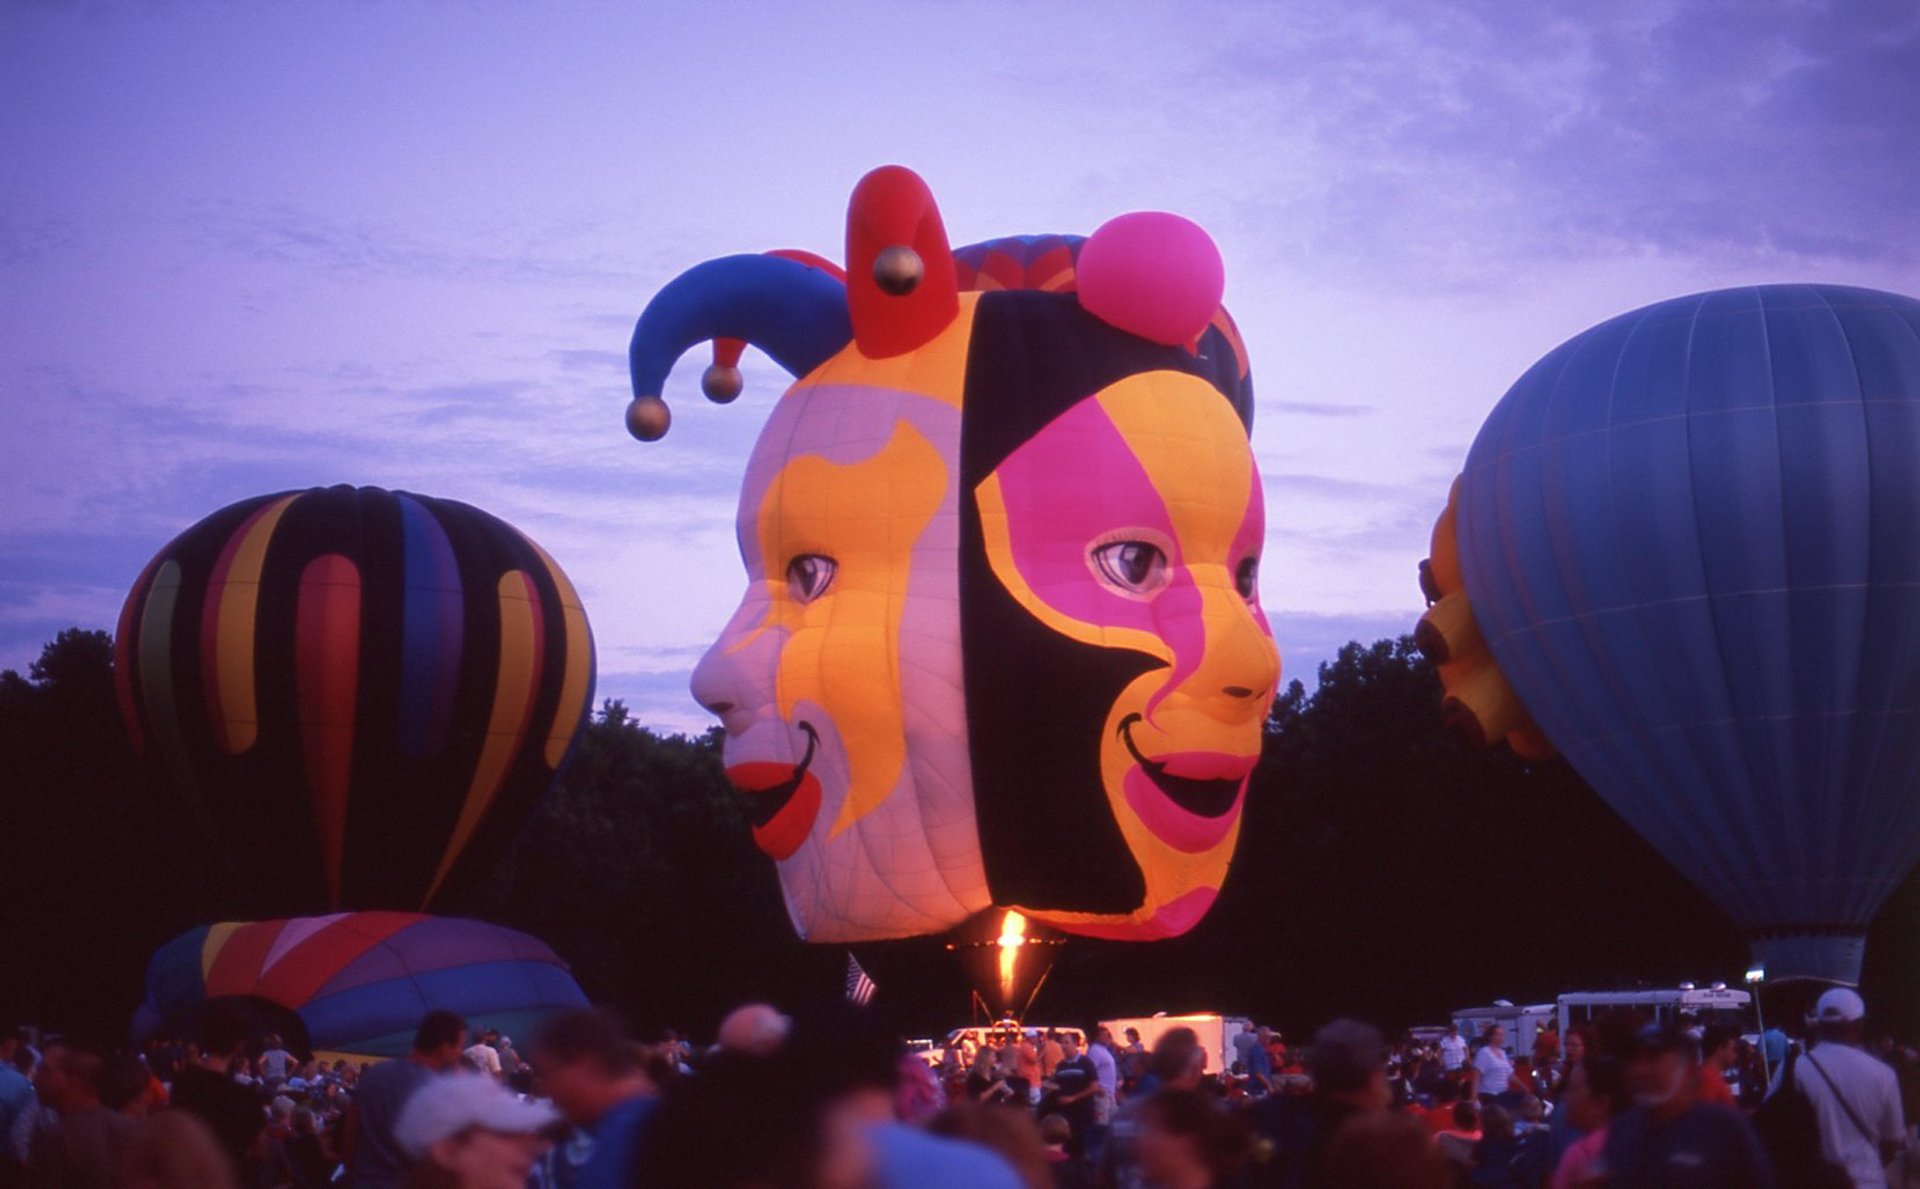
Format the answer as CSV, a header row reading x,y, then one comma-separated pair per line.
x,y
451,1103
1669,1037
1840,1005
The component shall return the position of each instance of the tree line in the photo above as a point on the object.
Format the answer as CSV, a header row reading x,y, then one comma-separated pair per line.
x,y
1385,869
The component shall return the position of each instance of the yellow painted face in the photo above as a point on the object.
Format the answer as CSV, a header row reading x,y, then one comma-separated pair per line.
x,y
1134,521
836,541
838,679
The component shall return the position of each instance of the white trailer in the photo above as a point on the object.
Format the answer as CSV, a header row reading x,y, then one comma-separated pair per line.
x,y
1216,1033
1713,1004
1522,1021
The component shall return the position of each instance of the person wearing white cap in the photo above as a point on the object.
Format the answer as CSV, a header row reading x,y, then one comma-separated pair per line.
x,y
466,1131
1855,1095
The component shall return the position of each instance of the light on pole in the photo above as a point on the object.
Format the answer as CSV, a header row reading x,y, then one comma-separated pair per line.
x,y
1757,974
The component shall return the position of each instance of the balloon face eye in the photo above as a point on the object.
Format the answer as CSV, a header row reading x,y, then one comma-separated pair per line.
x,y
1246,578
809,576
1130,566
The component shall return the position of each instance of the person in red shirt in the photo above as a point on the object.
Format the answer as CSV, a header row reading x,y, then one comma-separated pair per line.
x,y
1050,1055
1439,1116
1523,1076
1716,1057
1277,1051
1546,1048
1458,1140
1026,1070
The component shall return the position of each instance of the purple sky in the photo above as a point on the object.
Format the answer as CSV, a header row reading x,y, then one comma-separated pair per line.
x,y
253,247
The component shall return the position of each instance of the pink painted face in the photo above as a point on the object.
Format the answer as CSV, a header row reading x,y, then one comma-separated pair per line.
x,y
1134,521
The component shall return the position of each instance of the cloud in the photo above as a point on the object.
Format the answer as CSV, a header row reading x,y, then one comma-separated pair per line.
x,y
1307,408
660,700
1312,638
592,361
1332,487
1415,200
282,233
1461,146
28,239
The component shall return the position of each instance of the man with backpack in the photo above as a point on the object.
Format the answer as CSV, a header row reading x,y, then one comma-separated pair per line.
x,y
1855,1096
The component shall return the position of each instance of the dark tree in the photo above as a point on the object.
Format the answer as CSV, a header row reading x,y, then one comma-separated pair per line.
x,y
640,868
1384,870
96,859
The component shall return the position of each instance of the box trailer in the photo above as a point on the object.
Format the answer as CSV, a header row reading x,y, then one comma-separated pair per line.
x,y
1216,1033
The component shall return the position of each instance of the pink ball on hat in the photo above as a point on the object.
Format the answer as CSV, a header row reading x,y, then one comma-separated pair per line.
x,y
1153,274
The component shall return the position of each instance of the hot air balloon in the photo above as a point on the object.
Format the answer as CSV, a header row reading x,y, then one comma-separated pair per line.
x,y
363,693
1002,551
1690,540
360,981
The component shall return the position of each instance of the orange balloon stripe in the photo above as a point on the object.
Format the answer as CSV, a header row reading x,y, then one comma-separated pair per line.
x,y
228,614
326,670
513,698
577,668
123,663
216,942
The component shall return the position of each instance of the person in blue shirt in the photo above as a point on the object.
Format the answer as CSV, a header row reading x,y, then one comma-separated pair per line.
x,y
596,1076
819,1108
16,1098
1670,1139
1259,1064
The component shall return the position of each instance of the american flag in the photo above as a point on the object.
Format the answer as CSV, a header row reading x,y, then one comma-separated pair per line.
x,y
860,987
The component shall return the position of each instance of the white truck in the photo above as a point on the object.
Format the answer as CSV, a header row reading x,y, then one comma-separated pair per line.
x,y
1216,1033
1718,1003
1714,1004
1522,1022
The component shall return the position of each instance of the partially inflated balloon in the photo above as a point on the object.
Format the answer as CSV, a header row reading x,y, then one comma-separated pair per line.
x,y
360,981
1691,539
363,692
1002,642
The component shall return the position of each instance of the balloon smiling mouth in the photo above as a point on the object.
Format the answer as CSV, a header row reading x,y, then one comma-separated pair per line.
x,y
783,799
1206,797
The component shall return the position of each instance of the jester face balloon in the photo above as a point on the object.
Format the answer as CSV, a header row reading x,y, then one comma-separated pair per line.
x,y
1001,643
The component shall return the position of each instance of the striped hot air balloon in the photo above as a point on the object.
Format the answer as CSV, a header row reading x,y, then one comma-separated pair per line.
x,y
360,981
363,693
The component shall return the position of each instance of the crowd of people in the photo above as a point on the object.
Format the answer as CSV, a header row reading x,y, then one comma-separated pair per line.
x,y
829,1099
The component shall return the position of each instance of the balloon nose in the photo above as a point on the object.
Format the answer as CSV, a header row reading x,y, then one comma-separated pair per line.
x,y
898,270
718,709
1238,691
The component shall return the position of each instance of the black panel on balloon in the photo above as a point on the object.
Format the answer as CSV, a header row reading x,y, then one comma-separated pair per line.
x,y
1036,700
